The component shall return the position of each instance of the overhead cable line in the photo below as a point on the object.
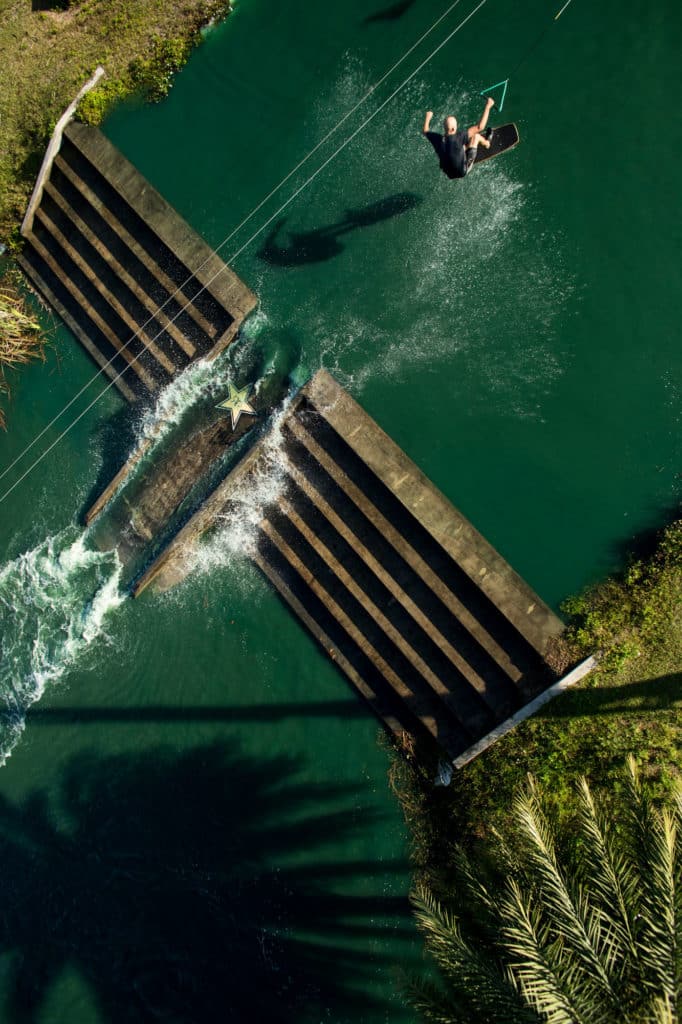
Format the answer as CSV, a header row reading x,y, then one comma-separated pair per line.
x,y
224,242
238,252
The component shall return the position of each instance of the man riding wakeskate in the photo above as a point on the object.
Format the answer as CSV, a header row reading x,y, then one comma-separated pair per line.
x,y
457,149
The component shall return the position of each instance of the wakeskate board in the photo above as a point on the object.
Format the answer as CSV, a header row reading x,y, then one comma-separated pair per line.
x,y
505,137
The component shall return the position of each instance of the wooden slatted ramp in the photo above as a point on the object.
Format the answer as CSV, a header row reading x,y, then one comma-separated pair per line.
x,y
427,620
134,283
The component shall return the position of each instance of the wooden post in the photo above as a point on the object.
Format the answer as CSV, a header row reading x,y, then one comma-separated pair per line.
x,y
51,152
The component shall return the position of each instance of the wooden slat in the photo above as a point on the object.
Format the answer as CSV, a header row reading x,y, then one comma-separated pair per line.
x,y
164,280
137,333
140,294
93,315
366,689
406,551
465,707
425,706
490,694
107,367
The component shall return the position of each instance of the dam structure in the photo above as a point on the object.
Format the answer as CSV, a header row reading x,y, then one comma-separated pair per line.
x,y
136,285
429,623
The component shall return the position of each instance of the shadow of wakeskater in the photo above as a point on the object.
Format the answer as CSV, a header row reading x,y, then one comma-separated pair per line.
x,y
323,243
391,13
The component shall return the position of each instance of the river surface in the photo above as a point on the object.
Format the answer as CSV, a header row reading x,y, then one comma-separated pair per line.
x,y
195,818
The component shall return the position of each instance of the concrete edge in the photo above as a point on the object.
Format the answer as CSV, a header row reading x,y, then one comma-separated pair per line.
x,y
52,150
166,569
579,672
201,259
449,527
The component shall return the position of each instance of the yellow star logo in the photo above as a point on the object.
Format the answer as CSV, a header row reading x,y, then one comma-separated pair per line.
x,y
237,403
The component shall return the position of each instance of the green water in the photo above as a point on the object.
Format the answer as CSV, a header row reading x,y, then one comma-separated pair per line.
x,y
196,818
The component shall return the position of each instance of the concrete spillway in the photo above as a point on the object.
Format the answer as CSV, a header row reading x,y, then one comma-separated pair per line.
x,y
136,285
427,620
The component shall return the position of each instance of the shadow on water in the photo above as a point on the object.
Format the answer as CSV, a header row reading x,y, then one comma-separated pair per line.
x,y
644,543
323,243
169,714
115,438
192,888
391,13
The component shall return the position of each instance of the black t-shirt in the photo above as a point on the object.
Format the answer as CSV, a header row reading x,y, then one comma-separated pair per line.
x,y
450,150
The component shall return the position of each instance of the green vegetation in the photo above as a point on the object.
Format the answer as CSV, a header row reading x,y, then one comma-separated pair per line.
x,y
21,337
589,932
47,55
149,77
631,704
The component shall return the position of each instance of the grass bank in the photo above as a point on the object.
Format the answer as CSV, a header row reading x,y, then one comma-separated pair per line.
x,y
48,50
631,704
47,53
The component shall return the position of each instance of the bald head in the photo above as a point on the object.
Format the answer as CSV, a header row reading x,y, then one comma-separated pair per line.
x,y
450,125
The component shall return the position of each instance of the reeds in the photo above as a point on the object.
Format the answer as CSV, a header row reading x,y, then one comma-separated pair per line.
x,y
21,336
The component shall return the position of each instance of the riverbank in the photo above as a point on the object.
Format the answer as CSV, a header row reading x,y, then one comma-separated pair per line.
x,y
631,704
47,51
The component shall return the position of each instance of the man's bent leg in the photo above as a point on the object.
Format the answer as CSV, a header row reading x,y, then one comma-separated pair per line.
x,y
476,139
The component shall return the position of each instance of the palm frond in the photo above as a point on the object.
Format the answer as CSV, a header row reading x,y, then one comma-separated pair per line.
x,y
530,965
663,1012
567,914
611,884
434,1004
655,850
473,977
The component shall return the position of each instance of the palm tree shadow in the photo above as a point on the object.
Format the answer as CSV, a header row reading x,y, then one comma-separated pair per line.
x,y
323,243
660,694
191,888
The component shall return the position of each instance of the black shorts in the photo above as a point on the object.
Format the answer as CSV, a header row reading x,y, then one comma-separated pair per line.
x,y
470,157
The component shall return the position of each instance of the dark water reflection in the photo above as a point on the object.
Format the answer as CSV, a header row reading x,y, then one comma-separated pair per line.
x,y
173,883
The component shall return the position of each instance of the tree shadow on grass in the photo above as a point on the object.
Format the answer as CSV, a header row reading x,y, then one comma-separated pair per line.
x,y
49,5
323,244
661,694
191,888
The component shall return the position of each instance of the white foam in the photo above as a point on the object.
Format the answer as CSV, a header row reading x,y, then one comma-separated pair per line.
x,y
232,543
181,393
54,601
474,280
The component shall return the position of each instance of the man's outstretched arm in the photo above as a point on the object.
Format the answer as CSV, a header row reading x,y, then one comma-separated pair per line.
x,y
427,121
489,104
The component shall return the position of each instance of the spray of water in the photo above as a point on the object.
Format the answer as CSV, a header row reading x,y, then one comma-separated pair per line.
x,y
469,282
54,601
234,539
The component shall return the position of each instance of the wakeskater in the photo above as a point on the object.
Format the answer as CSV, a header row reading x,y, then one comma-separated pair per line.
x,y
457,150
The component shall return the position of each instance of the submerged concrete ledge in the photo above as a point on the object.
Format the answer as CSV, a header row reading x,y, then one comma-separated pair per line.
x,y
427,620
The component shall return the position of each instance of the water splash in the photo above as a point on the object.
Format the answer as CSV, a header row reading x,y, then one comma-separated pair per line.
x,y
180,395
54,601
475,284
232,543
